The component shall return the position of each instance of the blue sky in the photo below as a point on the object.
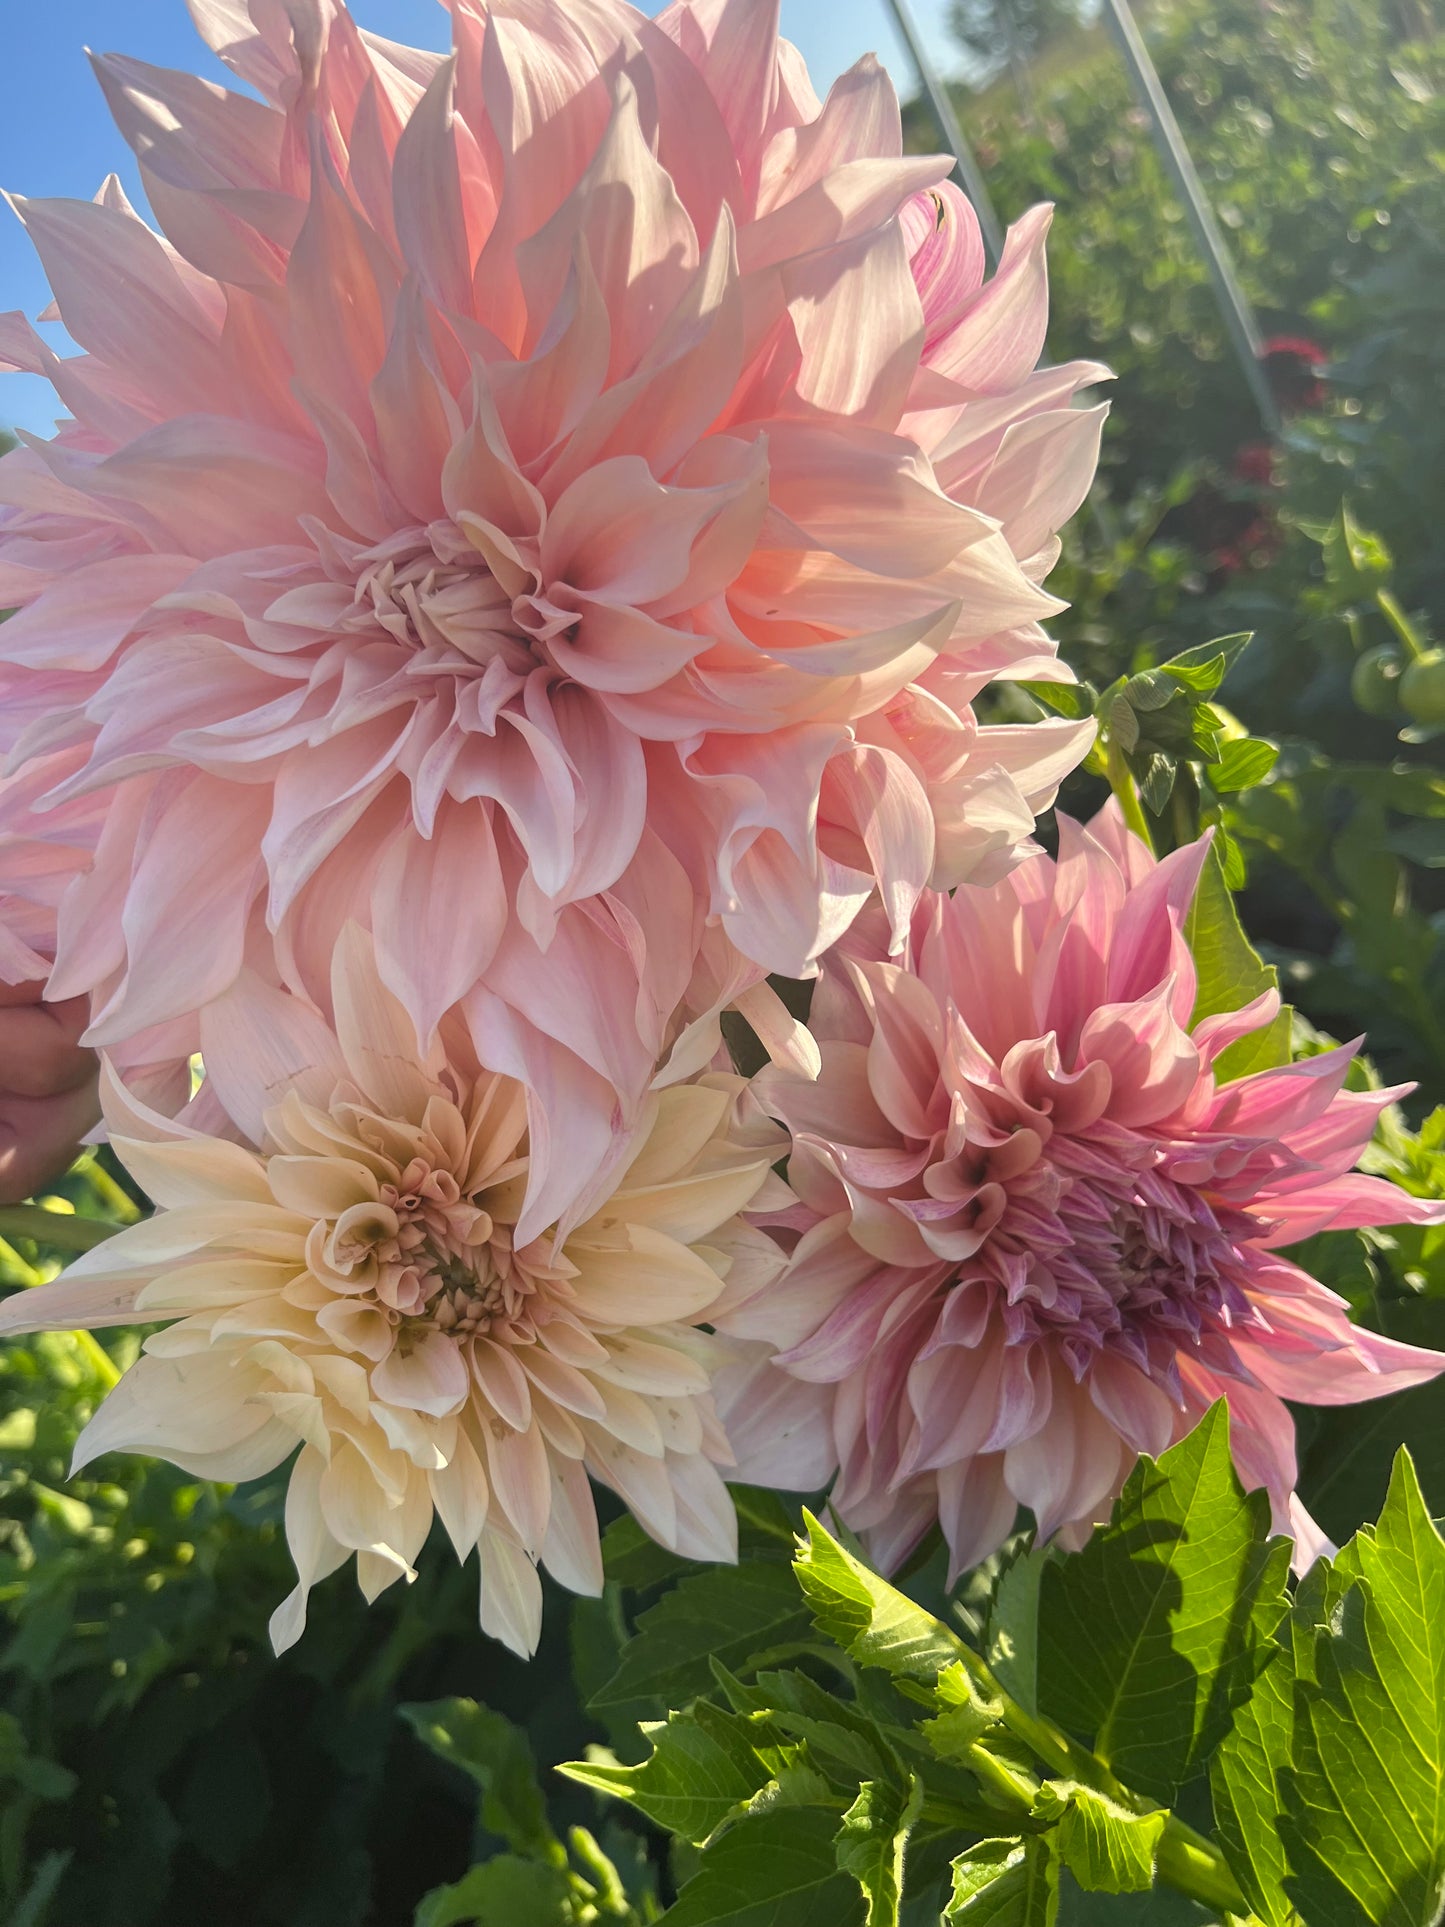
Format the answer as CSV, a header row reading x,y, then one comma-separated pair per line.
x,y
56,137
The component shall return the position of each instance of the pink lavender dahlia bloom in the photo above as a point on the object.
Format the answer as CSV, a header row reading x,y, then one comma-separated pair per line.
x,y
554,505
1035,1235
350,1279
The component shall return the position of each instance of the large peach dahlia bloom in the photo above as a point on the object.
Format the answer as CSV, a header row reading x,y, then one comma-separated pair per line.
x,y
350,1281
1035,1235
563,498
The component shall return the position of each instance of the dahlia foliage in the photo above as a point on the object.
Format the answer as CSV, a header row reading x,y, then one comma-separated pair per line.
x,y
529,533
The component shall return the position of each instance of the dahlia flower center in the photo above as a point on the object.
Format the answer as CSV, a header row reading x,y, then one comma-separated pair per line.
x,y
432,592
1144,1265
422,1259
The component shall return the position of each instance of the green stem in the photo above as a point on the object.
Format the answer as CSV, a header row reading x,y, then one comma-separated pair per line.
x,y
100,1360
1400,623
1187,1862
1122,784
59,1228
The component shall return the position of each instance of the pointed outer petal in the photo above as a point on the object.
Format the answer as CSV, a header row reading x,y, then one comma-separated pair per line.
x,y
839,1106
572,1549
417,421
1072,1466
129,299
640,1481
780,1428
313,1550
321,793
683,384
787,1040
653,1369
1361,1365
1000,334
906,1050
377,1038
676,1127
946,252
618,536
126,1115
1215,1034
868,497
574,1119
221,1284
955,1391
72,1303
631,1419
560,1382
975,431
610,779
193,1409
511,1603
341,287
518,1467
734,46
187,907
860,118
430,206
199,478
430,1377
909,1516
859,327
639,240
438,908
707,1519
202,1170
1342,1204
649,1279
503,1383
545,397
855,196
976,1510
690,1208
84,616
692,139
1143,1415
546,98
875,795
1152,1062
358,1492
1141,950
826,1269
460,1493
258,1043
787,912
1043,471
1277,1103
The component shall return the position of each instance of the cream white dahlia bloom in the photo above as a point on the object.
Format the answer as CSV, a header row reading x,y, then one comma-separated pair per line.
x,y
348,1281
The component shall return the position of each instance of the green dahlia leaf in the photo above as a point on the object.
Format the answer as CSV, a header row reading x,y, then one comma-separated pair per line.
x,y
1152,1635
703,1768
779,1870
498,1756
1106,1847
735,1614
1363,1819
873,1622
1005,1883
1231,975
501,1893
873,1840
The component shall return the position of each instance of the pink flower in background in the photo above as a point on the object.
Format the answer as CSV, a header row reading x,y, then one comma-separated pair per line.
x,y
1035,1236
555,505
354,1284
